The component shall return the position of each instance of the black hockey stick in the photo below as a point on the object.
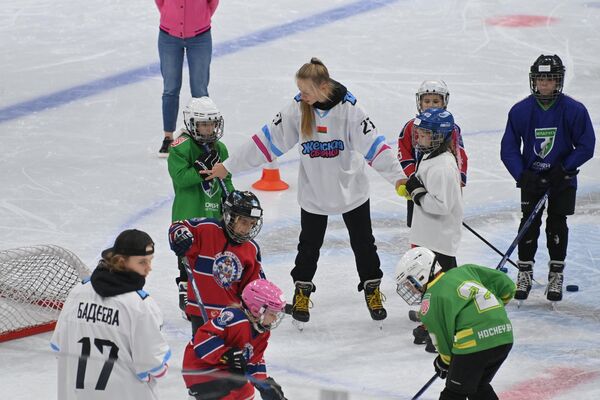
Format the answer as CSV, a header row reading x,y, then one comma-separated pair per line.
x,y
425,387
536,210
488,243
191,280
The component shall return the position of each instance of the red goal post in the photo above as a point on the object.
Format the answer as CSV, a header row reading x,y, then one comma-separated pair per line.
x,y
34,284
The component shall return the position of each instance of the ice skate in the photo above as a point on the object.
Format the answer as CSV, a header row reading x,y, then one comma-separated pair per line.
x,y
375,299
555,281
524,281
302,304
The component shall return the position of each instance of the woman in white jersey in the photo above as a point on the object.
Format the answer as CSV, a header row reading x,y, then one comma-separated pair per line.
x,y
108,337
337,140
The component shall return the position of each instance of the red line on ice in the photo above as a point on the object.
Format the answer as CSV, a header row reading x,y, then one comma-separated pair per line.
x,y
554,382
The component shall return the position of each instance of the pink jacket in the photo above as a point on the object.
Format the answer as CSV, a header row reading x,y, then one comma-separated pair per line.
x,y
185,18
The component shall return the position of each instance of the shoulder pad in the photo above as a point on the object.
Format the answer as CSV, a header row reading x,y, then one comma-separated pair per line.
x,y
142,293
349,98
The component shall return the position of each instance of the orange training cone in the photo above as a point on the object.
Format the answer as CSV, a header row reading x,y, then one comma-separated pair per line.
x,y
270,179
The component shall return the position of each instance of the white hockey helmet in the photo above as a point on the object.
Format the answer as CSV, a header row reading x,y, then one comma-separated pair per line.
x,y
203,120
413,272
433,87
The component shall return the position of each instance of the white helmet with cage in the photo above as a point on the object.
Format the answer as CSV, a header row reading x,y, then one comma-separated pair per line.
x,y
203,120
414,270
433,87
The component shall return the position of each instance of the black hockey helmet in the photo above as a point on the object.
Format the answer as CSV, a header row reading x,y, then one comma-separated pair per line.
x,y
242,204
550,67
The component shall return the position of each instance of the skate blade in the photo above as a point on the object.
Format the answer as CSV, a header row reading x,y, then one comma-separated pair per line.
x,y
379,324
298,324
520,303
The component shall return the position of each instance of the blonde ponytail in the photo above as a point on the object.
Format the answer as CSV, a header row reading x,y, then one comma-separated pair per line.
x,y
315,73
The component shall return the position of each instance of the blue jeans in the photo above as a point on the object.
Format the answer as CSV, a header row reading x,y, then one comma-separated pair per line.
x,y
170,51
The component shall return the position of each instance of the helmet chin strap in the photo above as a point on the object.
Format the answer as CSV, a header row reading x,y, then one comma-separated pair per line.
x,y
431,274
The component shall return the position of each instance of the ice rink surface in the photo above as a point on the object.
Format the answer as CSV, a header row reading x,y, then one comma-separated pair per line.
x,y
80,125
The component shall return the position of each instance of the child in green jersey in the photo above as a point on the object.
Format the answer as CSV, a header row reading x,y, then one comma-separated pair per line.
x,y
197,148
463,310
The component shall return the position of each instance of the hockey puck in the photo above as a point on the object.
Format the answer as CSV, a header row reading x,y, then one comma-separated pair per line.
x,y
572,288
504,269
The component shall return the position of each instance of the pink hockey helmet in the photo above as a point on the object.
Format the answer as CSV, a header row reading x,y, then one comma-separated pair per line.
x,y
261,296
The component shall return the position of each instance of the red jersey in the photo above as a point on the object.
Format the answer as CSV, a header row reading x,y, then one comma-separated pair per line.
x,y
408,157
221,269
202,356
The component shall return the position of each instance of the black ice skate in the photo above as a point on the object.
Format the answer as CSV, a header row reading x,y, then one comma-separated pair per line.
x,y
421,336
302,303
375,299
555,280
524,280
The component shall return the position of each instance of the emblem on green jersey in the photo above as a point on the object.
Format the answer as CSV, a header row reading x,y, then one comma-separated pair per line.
x,y
210,188
544,141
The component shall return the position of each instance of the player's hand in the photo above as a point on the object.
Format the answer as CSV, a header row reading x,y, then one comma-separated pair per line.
x,y
217,171
415,188
235,359
532,182
180,239
560,178
441,368
207,160
402,192
270,390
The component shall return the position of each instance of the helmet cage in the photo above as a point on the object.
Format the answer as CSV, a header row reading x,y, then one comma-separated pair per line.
x,y
433,87
242,205
197,114
436,122
413,272
547,67
411,290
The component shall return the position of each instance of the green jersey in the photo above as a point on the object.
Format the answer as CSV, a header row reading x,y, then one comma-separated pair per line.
x,y
463,310
194,197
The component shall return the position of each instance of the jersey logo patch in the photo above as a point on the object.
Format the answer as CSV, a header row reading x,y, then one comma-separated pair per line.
x,y
544,141
227,269
315,148
224,318
179,140
210,188
248,351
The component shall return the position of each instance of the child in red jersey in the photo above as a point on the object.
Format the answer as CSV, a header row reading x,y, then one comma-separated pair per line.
x,y
222,255
225,359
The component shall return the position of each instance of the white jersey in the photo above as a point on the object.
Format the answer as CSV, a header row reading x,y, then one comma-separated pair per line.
x,y
332,177
109,347
437,222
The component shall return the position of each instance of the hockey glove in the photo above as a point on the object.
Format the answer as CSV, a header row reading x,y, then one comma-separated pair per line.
x,y
560,178
207,160
416,189
235,359
532,182
270,390
441,368
180,239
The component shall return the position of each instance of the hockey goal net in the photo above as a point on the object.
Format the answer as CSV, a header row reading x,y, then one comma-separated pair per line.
x,y
34,284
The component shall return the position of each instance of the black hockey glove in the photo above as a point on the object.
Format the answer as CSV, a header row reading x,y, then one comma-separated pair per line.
x,y
532,182
270,390
180,239
415,188
235,359
441,368
560,178
207,160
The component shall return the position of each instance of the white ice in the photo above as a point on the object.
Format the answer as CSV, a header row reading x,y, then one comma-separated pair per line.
x,y
76,173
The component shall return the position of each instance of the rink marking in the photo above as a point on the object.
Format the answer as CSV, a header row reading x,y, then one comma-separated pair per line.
x,y
135,75
556,381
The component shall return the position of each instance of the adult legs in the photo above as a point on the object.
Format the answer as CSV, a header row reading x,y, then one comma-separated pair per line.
x,y
199,54
312,233
170,51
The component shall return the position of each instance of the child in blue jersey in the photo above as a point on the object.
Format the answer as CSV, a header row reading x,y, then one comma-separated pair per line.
x,y
548,137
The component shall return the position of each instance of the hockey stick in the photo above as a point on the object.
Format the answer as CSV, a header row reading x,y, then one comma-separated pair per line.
x,y
488,243
540,204
188,269
425,387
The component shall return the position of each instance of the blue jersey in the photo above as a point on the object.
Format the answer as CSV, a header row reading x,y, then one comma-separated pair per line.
x,y
561,135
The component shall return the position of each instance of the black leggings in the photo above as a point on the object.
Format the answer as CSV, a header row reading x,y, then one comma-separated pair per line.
x,y
358,222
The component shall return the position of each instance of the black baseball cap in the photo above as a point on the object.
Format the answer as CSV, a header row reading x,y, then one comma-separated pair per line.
x,y
131,242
